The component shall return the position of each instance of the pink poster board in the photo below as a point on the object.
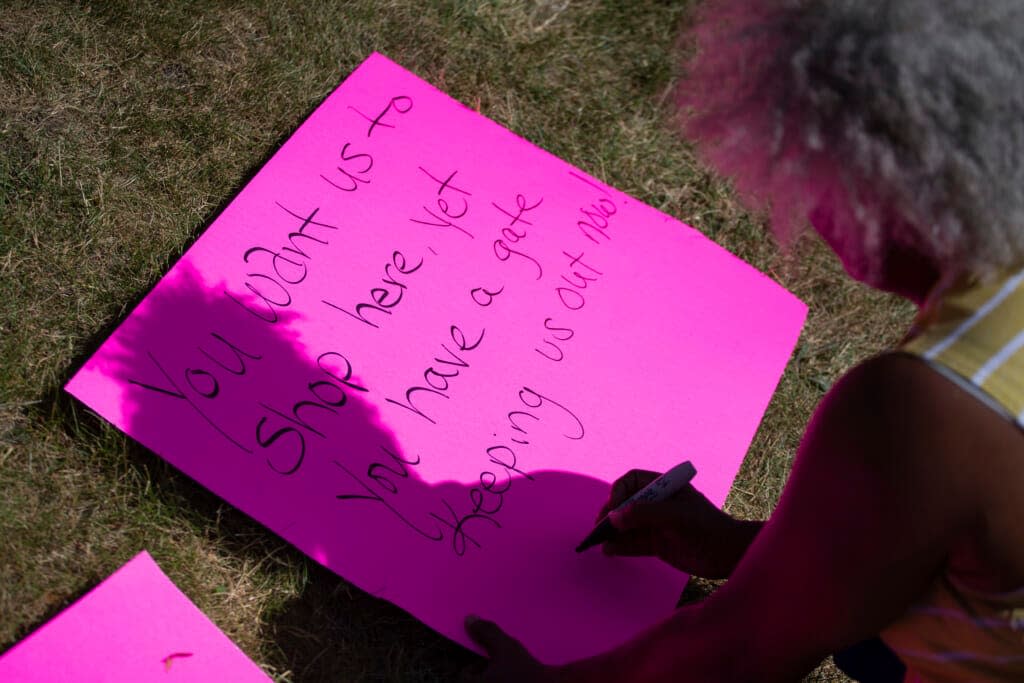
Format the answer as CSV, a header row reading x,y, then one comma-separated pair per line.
x,y
135,626
419,348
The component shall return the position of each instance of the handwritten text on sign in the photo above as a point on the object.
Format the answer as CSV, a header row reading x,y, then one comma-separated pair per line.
x,y
419,348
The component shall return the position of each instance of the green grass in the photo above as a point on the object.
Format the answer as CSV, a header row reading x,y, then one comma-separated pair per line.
x,y
126,125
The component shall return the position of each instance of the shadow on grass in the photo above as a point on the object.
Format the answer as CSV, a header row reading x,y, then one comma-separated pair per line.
x,y
333,631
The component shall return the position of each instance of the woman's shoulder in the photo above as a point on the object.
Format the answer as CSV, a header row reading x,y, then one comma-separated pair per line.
x,y
895,386
904,416
900,404
908,384
907,410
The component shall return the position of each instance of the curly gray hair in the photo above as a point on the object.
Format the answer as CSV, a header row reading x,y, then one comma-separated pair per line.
x,y
905,117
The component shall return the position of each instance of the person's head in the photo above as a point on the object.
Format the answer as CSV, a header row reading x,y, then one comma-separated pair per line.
x,y
895,127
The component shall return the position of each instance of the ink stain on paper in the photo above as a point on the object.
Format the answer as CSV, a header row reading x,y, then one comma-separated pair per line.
x,y
169,659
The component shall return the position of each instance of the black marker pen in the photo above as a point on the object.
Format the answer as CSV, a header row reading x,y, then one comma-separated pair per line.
x,y
662,488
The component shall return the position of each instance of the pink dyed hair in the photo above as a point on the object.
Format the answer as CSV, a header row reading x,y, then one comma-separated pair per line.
x,y
904,119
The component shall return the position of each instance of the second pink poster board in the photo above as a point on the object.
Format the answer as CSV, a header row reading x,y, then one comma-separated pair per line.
x,y
135,627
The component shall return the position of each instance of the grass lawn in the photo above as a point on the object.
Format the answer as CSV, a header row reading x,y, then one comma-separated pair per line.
x,y
126,125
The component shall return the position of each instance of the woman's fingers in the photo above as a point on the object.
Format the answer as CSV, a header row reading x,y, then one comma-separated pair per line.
x,y
641,528
508,660
495,642
629,483
639,516
624,487
634,544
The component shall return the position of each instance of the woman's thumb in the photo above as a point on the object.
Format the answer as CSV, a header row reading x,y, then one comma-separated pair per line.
x,y
637,516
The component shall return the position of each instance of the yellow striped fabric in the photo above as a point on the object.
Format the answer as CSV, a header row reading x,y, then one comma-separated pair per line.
x,y
978,333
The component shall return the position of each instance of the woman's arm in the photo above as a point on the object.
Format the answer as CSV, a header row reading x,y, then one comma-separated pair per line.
x,y
881,489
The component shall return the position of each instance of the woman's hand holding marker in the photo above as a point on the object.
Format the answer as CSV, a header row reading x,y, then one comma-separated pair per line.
x,y
686,530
